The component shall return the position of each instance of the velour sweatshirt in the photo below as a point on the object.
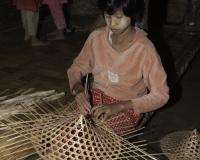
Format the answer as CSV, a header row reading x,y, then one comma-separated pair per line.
x,y
134,74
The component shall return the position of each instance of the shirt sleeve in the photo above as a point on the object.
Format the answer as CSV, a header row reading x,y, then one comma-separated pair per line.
x,y
155,79
82,65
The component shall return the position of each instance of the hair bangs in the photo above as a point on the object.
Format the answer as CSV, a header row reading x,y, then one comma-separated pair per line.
x,y
131,8
109,6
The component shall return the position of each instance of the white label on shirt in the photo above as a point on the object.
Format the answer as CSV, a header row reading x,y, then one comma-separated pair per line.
x,y
113,77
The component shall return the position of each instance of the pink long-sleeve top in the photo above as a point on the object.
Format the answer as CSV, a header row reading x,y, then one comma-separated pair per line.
x,y
134,74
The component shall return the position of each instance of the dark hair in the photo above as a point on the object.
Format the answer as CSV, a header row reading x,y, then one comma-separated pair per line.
x,y
131,8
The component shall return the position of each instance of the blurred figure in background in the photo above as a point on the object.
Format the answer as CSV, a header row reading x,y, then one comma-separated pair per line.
x,y
30,18
67,13
56,8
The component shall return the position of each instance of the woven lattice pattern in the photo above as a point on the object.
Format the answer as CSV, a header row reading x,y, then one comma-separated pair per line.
x,y
46,124
78,140
183,145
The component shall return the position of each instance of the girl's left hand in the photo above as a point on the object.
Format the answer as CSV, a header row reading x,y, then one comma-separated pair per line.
x,y
102,112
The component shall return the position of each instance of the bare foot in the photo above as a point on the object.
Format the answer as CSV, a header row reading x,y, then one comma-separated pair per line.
x,y
53,33
27,37
39,43
56,37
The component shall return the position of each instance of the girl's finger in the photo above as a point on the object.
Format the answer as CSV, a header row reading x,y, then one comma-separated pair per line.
x,y
98,113
87,106
95,108
81,108
105,117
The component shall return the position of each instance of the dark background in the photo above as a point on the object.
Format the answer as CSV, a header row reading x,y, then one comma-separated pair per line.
x,y
160,12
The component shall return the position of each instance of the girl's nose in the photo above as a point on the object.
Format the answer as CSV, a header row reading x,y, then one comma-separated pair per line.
x,y
113,22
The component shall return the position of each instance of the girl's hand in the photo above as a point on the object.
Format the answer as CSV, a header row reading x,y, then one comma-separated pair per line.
x,y
81,100
103,112
83,103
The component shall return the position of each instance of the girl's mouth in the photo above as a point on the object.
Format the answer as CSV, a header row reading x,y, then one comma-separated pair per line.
x,y
114,30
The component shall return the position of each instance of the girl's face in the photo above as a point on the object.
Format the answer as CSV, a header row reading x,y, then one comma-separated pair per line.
x,y
117,22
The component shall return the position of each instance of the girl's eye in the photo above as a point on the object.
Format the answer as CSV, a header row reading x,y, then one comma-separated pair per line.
x,y
119,16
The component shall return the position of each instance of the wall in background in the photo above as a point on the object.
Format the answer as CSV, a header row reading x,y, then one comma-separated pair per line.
x,y
9,16
176,11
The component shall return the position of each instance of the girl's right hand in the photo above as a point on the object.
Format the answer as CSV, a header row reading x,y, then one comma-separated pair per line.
x,y
81,100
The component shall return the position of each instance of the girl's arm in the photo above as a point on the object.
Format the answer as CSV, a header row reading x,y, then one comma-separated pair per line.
x,y
81,66
155,79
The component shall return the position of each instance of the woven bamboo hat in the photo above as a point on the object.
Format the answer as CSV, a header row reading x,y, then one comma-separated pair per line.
x,y
182,145
46,124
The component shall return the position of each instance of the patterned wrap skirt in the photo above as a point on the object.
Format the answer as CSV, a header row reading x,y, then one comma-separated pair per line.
x,y
121,122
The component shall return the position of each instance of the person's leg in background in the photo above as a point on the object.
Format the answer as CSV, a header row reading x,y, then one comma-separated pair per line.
x,y
66,10
30,24
59,20
24,22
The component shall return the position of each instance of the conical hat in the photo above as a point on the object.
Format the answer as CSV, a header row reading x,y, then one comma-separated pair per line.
x,y
75,139
55,130
182,145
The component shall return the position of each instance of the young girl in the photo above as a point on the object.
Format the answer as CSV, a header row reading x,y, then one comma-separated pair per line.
x,y
30,18
129,78
56,8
